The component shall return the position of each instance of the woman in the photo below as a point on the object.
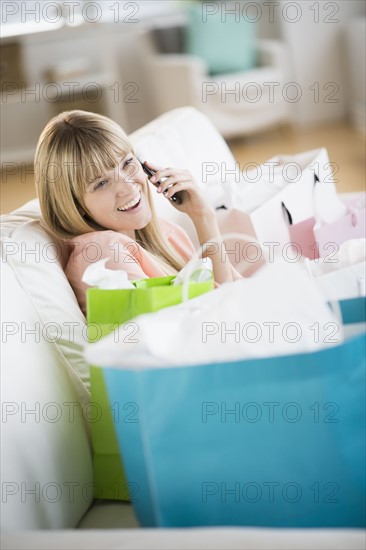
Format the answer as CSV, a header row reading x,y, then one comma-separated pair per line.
x,y
94,192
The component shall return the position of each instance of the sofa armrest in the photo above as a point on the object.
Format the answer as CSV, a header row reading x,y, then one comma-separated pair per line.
x,y
171,77
46,461
175,78
182,61
272,53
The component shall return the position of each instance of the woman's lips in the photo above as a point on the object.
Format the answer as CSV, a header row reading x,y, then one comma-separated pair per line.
x,y
130,209
134,203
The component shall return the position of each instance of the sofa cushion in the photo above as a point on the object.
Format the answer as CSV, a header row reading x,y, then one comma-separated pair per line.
x,y
226,41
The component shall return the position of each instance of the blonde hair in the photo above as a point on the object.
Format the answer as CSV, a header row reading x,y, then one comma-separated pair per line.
x,y
77,147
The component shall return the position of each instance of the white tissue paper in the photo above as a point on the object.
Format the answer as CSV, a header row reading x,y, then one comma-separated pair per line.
x,y
342,275
350,253
278,311
201,271
97,275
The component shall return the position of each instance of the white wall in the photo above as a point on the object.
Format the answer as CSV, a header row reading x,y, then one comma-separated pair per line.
x,y
317,56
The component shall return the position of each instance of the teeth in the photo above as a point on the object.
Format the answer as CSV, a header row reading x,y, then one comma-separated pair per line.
x,y
130,204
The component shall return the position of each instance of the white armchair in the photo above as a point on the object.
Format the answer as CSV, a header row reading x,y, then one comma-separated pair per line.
x,y
238,104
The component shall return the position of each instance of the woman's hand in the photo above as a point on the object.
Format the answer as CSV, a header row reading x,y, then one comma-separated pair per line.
x,y
182,181
200,212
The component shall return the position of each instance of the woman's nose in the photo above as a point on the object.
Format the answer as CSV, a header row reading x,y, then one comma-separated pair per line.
x,y
129,174
124,184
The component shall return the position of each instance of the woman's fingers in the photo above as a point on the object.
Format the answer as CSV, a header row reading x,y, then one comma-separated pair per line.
x,y
175,189
173,181
166,172
153,166
162,171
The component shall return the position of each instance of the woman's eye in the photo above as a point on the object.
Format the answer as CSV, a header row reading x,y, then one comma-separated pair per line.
x,y
100,184
127,162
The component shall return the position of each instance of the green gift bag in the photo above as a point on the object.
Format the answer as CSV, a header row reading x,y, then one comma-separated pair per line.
x,y
106,310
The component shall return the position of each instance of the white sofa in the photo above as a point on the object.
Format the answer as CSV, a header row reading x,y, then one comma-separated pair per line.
x,y
46,460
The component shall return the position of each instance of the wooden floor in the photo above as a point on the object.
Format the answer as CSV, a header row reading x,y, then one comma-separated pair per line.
x,y
346,148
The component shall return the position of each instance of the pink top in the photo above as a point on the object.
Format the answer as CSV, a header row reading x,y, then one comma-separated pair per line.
x,y
123,252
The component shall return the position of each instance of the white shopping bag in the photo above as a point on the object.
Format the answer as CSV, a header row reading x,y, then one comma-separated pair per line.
x,y
257,209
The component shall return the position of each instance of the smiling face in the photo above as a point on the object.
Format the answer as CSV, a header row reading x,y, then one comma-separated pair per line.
x,y
89,179
118,199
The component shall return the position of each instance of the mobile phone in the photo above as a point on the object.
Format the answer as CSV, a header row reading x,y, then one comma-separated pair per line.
x,y
175,198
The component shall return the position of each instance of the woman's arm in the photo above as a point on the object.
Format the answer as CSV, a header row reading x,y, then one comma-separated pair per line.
x,y
208,231
202,215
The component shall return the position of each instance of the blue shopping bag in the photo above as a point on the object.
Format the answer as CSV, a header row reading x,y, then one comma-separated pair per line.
x,y
275,442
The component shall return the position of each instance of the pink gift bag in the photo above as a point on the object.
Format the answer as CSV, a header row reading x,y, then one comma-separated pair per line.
x,y
303,240
330,236
316,236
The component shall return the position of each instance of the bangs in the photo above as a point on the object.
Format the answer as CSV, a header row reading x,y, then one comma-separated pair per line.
x,y
95,155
